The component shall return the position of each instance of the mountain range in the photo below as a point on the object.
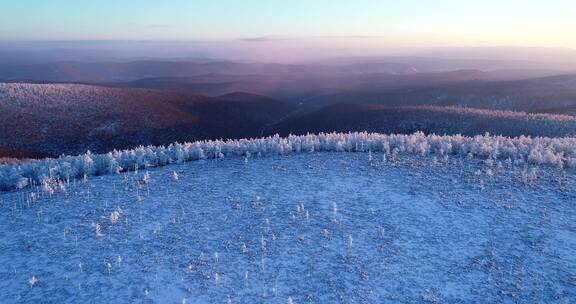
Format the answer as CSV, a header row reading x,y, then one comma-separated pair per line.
x,y
53,107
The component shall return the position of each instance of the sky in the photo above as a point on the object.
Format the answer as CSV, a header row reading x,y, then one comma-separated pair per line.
x,y
363,23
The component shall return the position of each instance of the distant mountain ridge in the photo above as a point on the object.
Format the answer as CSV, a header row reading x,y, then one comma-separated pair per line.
x,y
101,72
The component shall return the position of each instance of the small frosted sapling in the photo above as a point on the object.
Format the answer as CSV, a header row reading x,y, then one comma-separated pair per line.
x,y
175,176
334,212
47,188
98,230
115,216
256,203
146,178
326,234
33,281
263,243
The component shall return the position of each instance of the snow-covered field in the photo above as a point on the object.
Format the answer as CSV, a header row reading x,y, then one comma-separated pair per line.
x,y
299,228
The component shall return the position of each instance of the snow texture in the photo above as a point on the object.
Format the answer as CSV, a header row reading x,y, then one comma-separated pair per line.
x,y
305,228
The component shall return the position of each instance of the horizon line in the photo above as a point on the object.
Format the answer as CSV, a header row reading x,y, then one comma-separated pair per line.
x,y
274,38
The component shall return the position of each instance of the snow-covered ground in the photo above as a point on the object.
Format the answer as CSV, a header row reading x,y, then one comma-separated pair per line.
x,y
301,228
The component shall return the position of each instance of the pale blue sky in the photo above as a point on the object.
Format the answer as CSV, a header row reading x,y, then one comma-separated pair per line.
x,y
512,22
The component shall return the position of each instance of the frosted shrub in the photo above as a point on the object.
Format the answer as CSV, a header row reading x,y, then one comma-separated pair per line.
x,y
146,178
263,243
326,234
334,211
20,183
32,281
98,230
115,216
61,186
175,176
47,188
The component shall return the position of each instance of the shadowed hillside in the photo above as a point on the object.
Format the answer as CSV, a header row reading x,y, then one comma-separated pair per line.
x,y
554,94
67,118
428,119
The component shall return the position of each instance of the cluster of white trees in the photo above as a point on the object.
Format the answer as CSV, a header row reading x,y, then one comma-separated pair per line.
x,y
559,152
54,95
495,114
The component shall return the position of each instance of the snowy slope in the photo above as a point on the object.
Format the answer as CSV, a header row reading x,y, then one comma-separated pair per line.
x,y
306,228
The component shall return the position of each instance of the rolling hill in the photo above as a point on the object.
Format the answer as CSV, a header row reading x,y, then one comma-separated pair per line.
x,y
351,117
52,119
552,94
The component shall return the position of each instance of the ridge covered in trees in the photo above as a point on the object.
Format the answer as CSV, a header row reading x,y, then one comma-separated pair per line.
x,y
559,152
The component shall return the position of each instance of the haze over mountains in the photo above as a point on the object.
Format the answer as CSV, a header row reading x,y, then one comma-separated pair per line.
x,y
72,99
